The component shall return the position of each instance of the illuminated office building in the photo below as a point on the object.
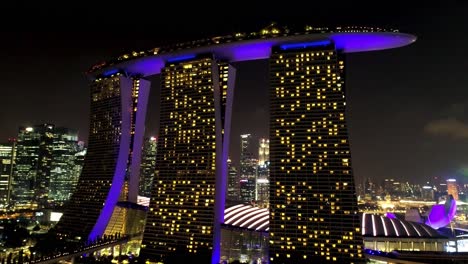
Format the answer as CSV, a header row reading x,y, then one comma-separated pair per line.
x,y
189,158
148,165
452,188
112,163
7,161
247,170
263,151
79,160
63,174
427,193
31,174
314,215
233,188
262,187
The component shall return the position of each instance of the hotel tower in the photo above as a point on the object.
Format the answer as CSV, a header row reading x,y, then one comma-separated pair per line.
x,y
111,166
313,207
313,210
193,129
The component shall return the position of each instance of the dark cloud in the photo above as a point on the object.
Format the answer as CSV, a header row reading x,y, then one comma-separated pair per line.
x,y
450,127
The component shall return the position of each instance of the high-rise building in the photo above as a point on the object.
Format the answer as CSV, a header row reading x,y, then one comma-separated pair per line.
x,y
314,211
112,163
314,215
452,188
263,151
427,193
148,166
247,170
233,188
183,210
79,162
7,161
246,144
63,174
31,176
263,172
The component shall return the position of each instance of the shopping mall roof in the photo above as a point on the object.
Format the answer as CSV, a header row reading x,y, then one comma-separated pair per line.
x,y
253,218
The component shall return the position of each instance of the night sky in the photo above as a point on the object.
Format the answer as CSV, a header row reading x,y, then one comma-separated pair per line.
x,y
407,107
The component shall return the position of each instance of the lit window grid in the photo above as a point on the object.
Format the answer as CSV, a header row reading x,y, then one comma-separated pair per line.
x,y
98,170
182,209
312,192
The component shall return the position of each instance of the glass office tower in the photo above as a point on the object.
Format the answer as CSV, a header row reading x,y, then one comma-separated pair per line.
x,y
7,162
63,174
148,164
31,176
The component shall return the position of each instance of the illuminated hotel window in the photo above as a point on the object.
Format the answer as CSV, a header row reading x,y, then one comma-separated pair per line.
x,y
309,132
185,162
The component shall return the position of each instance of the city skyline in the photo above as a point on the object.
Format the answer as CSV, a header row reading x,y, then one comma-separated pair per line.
x,y
425,115
259,136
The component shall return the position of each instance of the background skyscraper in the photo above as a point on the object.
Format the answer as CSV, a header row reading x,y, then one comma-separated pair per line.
x,y
148,166
7,161
232,193
31,176
247,169
314,214
64,172
452,188
263,172
263,151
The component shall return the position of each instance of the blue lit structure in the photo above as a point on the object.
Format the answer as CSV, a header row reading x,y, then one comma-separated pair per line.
x,y
442,214
236,48
304,45
260,48
181,58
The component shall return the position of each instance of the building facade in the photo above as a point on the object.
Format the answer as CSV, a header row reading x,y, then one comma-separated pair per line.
x,y
263,151
452,188
247,170
31,175
263,172
314,214
63,174
7,161
311,181
148,166
233,187
112,162
194,115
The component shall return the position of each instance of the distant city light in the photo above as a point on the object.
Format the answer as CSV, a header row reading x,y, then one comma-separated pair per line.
x,y
153,138
55,216
29,129
262,181
451,180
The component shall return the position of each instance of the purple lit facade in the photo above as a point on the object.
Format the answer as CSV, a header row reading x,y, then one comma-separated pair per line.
x,y
442,214
93,203
116,132
261,48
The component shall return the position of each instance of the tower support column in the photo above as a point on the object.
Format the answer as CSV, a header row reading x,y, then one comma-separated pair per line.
x,y
223,132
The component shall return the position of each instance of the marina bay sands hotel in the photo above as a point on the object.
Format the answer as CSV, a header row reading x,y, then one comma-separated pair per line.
x,y
313,214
